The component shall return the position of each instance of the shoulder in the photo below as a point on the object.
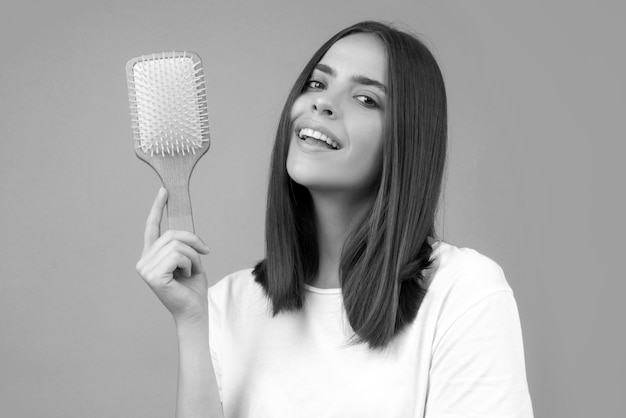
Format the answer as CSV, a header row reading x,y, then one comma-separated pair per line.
x,y
237,283
466,269
236,289
236,280
462,277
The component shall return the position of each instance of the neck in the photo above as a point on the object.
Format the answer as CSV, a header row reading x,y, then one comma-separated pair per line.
x,y
334,217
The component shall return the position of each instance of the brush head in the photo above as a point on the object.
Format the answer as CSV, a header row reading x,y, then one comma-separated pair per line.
x,y
168,105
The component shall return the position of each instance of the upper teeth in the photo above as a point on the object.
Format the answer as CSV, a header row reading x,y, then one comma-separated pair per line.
x,y
317,135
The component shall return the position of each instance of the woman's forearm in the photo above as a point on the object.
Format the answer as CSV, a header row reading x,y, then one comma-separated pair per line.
x,y
198,394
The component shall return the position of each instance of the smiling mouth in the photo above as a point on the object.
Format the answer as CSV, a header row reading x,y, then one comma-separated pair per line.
x,y
316,137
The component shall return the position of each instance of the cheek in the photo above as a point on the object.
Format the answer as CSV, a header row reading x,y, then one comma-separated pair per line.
x,y
370,153
372,162
299,106
369,134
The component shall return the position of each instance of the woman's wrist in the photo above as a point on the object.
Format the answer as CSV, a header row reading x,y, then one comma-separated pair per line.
x,y
192,323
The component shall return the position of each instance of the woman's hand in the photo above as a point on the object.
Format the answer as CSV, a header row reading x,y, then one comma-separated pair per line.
x,y
170,264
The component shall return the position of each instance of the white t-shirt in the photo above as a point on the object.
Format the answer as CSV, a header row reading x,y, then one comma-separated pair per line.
x,y
461,357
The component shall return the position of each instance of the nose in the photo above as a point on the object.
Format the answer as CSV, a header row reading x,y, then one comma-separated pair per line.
x,y
324,106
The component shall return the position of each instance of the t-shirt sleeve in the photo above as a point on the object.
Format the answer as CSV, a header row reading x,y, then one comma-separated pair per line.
x,y
477,367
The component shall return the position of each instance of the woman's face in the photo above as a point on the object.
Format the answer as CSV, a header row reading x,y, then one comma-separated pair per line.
x,y
336,144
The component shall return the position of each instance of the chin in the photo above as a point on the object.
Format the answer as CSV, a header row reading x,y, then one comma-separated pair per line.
x,y
309,177
304,171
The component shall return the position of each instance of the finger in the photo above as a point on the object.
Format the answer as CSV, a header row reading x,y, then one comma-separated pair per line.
x,y
188,238
177,247
183,264
153,223
189,253
161,272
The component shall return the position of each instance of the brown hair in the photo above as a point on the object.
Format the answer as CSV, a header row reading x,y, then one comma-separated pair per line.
x,y
384,259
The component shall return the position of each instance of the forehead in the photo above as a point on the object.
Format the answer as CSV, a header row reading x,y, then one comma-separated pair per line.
x,y
359,53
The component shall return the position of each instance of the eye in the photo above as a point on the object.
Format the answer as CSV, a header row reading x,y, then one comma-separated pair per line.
x,y
367,101
315,85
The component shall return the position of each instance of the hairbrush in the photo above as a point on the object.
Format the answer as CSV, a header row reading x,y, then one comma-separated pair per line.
x,y
170,123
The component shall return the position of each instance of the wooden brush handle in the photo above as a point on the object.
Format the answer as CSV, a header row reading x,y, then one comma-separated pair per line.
x,y
175,173
179,215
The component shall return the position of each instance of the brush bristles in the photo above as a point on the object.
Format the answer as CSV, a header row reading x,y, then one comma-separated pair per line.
x,y
168,103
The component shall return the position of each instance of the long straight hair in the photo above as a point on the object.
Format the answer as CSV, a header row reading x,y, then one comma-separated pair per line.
x,y
386,256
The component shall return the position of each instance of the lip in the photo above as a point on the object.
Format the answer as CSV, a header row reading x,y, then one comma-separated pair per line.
x,y
299,125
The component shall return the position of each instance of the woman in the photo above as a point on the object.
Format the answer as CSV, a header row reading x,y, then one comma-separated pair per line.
x,y
357,310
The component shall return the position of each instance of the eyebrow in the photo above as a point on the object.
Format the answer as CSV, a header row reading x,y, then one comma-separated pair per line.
x,y
360,79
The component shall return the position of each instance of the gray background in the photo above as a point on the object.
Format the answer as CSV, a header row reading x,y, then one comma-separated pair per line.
x,y
537,104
